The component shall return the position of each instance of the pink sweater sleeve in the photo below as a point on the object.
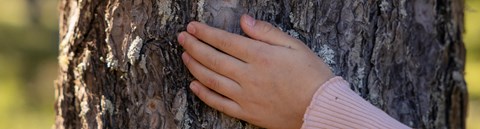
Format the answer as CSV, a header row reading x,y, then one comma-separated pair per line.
x,y
335,105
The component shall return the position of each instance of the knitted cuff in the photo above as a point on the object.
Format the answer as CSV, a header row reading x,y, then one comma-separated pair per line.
x,y
335,105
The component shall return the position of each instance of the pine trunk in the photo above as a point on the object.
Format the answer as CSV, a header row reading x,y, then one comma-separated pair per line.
x,y
120,64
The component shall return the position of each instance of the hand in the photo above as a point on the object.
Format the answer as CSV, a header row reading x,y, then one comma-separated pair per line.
x,y
267,80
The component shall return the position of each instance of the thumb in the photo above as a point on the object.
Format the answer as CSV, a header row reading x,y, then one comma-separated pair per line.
x,y
266,32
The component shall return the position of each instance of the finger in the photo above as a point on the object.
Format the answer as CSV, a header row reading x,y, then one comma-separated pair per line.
x,y
266,32
212,80
216,101
217,61
235,45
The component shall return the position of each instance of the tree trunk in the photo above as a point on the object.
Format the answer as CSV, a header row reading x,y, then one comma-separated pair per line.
x,y
120,64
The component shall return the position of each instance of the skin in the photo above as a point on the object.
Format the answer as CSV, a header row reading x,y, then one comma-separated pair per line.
x,y
267,79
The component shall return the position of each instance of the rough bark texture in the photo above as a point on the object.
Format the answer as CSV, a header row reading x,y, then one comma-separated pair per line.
x,y
120,64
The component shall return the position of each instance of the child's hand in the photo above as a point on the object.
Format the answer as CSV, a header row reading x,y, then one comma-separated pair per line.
x,y
267,80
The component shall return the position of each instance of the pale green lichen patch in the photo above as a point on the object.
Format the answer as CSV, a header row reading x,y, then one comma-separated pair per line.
x,y
164,11
360,77
111,62
107,106
403,11
384,6
133,53
143,64
83,108
293,33
292,17
180,106
327,55
200,10
457,76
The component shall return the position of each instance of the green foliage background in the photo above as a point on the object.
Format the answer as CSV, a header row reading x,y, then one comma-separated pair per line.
x,y
28,64
472,72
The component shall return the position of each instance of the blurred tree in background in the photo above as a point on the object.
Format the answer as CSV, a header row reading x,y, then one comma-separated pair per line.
x,y
28,63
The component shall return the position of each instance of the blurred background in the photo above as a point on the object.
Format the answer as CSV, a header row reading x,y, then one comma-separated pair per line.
x,y
28,65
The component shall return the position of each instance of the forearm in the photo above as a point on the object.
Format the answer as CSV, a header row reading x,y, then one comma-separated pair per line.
x,y
335,105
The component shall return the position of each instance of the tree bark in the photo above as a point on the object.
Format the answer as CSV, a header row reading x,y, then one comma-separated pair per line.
x,y
120,64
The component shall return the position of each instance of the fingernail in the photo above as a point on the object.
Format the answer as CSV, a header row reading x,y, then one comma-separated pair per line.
x,y
250,20
191,28
181,38
194,87
185,57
